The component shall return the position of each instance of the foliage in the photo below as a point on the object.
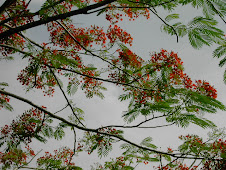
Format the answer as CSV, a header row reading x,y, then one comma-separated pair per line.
x,y
156,88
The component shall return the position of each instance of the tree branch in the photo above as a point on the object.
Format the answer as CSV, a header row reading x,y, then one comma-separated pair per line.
x,y
136,126
54,18
218,13
61,109
77,72
165,24
68,102
96,130
5,5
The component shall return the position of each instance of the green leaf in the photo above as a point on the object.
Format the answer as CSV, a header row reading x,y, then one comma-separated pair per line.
x,y
72,87
63,124
90,68
2,143
225,77
223,155
47,131
153,159
40,138
49,120
222,62
125,96
147,142
167,157
219,52
208,10
131,115
74,168
10,58
4,84
34,120
59,133
127,168
202,31
6,105
60,82
171,17
185,119
93,148
196,39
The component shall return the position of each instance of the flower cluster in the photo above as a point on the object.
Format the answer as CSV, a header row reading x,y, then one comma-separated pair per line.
x,y
176,74
205,88
116,32
87,37
177,165
17,15
113,14
117,163
19,8
217,164
3,99
215,149
14,40
30,78
110,130
170,60
125,60
24,128
13,156
59,159
142,97
91,85
120,161
128,58
100,142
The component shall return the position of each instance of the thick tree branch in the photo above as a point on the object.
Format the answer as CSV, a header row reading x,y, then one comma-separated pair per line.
x,y
54,18
6,4
163,3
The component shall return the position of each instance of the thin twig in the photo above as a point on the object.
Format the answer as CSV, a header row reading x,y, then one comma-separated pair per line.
x,y
154,117
166,24
30,160
74,149
61,109
142,127
160,160
69,104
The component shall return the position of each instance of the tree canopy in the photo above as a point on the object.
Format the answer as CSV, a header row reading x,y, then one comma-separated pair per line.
x,y
155,88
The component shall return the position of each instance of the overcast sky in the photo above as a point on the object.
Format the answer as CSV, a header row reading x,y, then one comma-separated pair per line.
x,y
199,64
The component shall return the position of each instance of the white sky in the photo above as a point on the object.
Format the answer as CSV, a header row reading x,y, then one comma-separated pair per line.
x,y
199,64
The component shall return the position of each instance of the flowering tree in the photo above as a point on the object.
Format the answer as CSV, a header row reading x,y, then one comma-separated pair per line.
x,y
157,88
